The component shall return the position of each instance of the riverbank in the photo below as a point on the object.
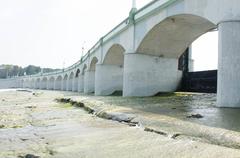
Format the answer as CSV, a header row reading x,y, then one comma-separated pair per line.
x,y
34,123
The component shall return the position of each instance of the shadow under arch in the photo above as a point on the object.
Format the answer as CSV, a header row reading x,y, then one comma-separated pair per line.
x,y
51,83
70,81
172,36
76,81
154,67
64,83
44,83
89,77
58,83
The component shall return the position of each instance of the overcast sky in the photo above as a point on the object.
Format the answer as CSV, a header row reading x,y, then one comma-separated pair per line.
x,y
49,33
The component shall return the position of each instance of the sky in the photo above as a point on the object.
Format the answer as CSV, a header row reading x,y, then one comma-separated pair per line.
x,y
51,33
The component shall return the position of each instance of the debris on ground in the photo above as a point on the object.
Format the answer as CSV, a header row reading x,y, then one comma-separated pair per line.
x,y
197,116
29,156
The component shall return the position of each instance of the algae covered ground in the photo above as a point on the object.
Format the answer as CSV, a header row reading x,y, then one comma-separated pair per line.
x,y
163,126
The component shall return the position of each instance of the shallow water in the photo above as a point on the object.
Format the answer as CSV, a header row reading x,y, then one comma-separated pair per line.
x,y
183,105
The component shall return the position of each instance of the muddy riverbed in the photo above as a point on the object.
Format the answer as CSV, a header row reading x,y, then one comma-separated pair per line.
x,y
34,123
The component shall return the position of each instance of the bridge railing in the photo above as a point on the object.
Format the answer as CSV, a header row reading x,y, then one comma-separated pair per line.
x,y
152,7
139,15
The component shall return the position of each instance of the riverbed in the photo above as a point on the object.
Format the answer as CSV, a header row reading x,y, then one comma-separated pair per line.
x,y
34,123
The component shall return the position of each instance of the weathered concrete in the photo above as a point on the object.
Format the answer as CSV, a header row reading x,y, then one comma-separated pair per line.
x,y
146,75
229,66
81,83
108,79
58,83
89,82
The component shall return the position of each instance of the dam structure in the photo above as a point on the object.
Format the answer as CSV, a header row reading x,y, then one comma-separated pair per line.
x,y
140,56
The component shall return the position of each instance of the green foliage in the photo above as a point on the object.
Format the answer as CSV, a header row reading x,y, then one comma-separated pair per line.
x,y
14,70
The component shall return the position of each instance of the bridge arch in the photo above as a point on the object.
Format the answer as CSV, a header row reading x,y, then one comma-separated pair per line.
x,y
64,83
159,53
89,76
115,55
51,83
109,74
93,63
173,35
58,83
76,81
44,83
70,81
84,69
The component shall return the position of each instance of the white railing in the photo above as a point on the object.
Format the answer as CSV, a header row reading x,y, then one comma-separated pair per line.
x,y
148,9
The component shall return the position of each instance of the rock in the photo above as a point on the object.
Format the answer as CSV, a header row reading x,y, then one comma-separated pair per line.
x,y
23,139
155,131
31,107
197,116
174,136
29,156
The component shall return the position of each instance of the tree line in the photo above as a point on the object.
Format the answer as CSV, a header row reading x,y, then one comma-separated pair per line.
x,y
7,71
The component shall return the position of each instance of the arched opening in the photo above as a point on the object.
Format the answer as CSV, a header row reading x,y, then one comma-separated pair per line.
x,y
89,77
93,64
70,81
82,78
64,83
159,52
76,81
51,83
171,37
44,83
109,75
84,69
58,83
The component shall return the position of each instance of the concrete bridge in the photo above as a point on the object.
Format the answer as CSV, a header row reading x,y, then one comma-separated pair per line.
x,y
140,55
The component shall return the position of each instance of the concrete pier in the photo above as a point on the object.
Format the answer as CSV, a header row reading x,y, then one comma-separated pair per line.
x,y
229,66
89,82
81,83
109,78
146,75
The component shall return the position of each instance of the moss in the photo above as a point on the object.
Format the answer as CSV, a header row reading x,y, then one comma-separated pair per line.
x,y
17,126
66,105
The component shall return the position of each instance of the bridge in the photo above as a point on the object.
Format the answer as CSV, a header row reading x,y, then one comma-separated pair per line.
x,y
140,55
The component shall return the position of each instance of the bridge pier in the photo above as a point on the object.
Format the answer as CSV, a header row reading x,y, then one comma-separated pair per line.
x,y
75,84
81,83
146,75
89,82
228,94
109,78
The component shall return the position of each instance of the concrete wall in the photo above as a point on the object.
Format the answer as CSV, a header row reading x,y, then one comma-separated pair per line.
x,y
146,75
89,82
108,79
